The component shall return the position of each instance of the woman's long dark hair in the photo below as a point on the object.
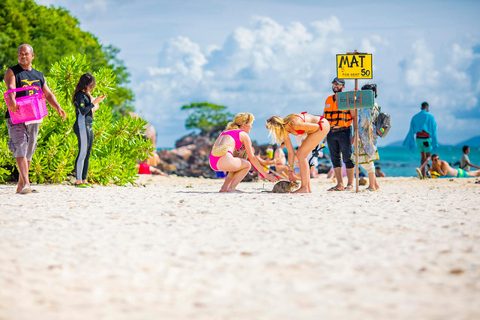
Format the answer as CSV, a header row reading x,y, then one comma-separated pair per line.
x,y
85,80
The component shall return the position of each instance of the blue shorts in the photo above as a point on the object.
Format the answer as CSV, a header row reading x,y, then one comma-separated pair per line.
x,y
462,173
424,145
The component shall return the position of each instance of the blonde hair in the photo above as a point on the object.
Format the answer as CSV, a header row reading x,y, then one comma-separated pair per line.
x,y
276,126
240,119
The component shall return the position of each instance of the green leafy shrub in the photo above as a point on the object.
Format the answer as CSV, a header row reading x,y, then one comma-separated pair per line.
x,y
206,116
117,143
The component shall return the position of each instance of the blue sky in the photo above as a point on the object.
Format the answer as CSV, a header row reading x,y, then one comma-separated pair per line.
x,y
276,57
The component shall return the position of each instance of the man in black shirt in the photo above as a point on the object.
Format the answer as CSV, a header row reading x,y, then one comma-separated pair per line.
x,y
23,136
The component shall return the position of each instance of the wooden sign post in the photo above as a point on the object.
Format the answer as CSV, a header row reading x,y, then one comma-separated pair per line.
x,y
354,65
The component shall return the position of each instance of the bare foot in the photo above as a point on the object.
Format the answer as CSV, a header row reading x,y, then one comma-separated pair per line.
x,y
19,188
302,190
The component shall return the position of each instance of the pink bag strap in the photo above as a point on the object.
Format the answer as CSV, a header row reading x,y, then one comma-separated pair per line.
x,y
37,88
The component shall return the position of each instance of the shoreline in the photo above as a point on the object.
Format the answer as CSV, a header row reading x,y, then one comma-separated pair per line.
x,y
175,248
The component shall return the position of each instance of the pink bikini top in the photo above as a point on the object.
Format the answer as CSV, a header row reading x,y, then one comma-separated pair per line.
x,y
235,134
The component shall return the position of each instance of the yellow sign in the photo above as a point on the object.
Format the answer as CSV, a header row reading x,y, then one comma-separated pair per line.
x,y
354,66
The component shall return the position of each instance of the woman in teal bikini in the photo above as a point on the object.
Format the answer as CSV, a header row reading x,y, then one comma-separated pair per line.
x,y
235,137
313,130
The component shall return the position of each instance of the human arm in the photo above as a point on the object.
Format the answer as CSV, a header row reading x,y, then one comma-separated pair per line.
x,y
82,103
291,157
467,161
96,101
10,83
353,113
251,155
443,168
53,101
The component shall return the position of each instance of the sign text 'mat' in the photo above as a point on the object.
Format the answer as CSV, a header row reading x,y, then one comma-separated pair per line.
x,y
354,66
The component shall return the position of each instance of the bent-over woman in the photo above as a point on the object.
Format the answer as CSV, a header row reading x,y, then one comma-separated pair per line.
x,y
313,128
222,156
85,105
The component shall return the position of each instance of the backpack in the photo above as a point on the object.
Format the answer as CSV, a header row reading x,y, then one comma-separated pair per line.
x,y
382,125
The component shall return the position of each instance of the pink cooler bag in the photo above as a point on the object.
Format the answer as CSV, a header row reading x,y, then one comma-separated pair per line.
x,y
30,108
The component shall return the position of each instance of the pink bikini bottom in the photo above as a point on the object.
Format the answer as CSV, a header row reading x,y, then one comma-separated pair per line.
x,y
214,161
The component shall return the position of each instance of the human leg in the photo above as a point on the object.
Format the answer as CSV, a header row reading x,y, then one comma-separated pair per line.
x,y
346,149
307,146
22,143
81,133
334,148
87,156
372,179
23,169
475,173
237,170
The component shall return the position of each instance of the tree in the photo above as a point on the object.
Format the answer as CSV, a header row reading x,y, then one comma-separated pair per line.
x,y
117,146
206,116
55,34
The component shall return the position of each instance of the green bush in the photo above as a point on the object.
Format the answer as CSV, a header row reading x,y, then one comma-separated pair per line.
x,y
117,143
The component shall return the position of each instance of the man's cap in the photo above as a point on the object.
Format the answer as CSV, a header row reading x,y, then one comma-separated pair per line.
x,y
339,81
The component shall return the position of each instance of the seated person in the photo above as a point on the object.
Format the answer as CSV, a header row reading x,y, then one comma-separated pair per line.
x,y
442,168
465,163
148,166
379,173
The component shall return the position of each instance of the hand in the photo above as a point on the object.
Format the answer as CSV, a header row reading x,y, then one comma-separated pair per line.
x,y
99,99
12,105
62,114
272,178
290,175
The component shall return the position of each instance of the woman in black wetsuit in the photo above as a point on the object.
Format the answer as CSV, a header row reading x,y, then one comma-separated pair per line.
x,y
85,105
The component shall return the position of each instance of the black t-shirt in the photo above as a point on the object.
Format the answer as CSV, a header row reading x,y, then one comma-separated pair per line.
x,y
26,78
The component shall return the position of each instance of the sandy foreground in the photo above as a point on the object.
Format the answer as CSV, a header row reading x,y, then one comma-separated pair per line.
x,y
176,249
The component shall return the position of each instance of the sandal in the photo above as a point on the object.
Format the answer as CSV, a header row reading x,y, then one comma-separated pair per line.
x,y
349,187
81,185
335,188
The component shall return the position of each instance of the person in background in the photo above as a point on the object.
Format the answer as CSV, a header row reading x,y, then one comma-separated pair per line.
x,y
339,138
367,142
422,136
85,106
149,166
23,136
465,163
442,168
379,173
235,137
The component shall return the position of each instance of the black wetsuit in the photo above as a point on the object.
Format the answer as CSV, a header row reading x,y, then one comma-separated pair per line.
x,y
83,130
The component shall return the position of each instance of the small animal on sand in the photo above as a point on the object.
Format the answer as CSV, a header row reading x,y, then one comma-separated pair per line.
x,y
284,187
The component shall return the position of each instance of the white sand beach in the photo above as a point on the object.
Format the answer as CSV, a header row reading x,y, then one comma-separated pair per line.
x,y
176,249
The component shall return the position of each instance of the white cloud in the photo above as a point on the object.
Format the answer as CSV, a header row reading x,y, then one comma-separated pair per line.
x,y
269,68
421,70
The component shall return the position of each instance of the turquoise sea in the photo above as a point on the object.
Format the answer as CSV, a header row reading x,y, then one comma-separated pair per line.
x,y
400,162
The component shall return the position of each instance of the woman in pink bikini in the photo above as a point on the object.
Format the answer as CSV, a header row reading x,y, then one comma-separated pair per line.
x,y
309,128
233,138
